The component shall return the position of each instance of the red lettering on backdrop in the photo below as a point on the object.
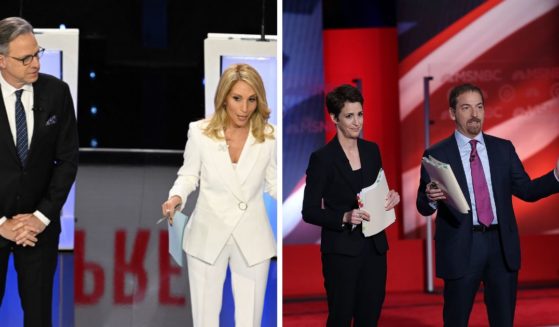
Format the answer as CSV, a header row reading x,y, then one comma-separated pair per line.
x,y
81,267
166,270
134,267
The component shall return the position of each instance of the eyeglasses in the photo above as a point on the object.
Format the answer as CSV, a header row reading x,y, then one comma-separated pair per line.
x,y
29,58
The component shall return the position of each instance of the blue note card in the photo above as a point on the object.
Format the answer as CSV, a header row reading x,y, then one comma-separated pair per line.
x,y
176,234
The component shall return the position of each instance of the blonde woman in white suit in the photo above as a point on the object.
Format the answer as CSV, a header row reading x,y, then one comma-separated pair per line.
x,y
232,157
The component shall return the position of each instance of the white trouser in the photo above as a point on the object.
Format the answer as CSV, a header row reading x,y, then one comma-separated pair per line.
x,y
206,287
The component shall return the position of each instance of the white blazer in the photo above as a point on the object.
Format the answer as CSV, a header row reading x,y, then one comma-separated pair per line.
x,y
230,201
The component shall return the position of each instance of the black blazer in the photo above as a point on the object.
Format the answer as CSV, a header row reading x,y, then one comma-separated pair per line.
x,y
52,161
454,230
329,194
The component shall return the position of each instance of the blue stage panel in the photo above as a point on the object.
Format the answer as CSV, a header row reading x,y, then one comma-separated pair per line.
x,y
63,295
227,317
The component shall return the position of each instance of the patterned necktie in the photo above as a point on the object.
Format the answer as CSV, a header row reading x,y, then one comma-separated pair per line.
x,y
21,130
481,191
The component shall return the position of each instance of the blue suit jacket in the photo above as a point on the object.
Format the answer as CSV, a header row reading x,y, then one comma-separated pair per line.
x,y
453,235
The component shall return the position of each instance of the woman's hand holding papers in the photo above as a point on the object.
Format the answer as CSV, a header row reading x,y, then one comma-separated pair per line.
x,y
392,200
356,217
169,207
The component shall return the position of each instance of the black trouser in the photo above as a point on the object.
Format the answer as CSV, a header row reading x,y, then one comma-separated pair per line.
x,y
355,287
487,265
35,267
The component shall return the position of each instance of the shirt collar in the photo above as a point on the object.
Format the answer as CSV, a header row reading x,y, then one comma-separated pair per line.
x,y
9,89
463,140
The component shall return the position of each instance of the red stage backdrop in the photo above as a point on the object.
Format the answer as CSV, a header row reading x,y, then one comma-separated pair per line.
x,y
371,63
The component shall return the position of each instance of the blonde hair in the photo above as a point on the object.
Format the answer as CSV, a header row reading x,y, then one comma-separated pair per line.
x,y
260,128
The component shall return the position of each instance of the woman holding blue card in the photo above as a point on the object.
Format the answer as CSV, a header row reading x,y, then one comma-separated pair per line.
x,y
232,157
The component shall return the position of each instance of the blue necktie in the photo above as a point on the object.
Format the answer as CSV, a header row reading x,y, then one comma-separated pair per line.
x,y
21,130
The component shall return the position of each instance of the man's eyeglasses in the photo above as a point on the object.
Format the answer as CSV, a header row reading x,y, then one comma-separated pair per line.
x,y
29,58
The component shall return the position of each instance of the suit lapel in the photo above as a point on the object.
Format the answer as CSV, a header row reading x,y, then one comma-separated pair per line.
x,y
40,114
342,163
225,168
493,159
368,167
249,157
5,131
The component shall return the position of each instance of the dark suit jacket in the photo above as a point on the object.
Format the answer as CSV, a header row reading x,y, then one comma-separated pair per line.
x,y
453,235
329,194
52,161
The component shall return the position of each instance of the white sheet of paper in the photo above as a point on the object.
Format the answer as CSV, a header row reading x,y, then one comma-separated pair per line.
x,y
176,234
373,198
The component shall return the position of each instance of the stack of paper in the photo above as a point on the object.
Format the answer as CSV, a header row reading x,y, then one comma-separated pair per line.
x,y
441,173
373,198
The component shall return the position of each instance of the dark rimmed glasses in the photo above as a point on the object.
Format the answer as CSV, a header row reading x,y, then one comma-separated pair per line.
x,y
29,58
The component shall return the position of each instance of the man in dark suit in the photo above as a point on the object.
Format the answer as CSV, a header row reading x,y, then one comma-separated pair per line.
x,y
354,266
38,164
482,245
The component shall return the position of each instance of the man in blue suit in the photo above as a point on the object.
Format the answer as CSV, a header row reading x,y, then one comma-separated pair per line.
x,y
482,245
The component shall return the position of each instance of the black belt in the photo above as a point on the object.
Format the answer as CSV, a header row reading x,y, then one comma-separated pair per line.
x,y
483,228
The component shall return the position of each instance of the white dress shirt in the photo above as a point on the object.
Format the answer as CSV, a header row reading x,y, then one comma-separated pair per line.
x,y
9,97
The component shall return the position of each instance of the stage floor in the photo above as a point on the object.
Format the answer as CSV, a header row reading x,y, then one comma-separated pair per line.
x,y
535,307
